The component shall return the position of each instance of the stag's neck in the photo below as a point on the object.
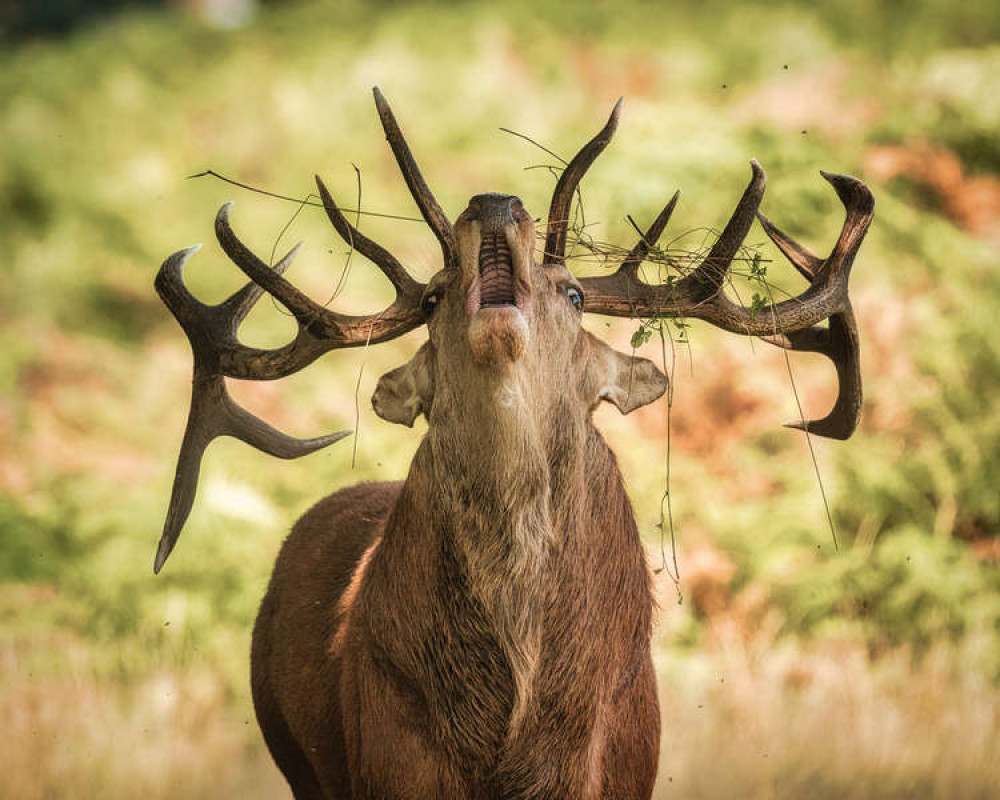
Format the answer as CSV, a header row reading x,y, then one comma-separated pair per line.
x,y
489,469
490,449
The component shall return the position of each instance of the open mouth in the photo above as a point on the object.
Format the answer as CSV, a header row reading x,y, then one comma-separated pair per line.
x,y
496,271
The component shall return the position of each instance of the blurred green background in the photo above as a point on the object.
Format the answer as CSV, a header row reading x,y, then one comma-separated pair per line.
x,y
788,669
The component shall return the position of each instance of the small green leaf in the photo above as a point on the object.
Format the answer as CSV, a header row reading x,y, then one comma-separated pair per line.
x,y
641,336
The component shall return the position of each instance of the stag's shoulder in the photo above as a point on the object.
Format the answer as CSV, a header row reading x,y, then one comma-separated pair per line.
x,y
360,505
332,535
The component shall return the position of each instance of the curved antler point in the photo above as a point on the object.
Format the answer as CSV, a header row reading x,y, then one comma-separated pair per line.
x,y
161,558
181,256
324,193
223,215
612,124
170,277
852,191
290,255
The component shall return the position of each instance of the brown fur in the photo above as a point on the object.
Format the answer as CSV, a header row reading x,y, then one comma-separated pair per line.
x,y
482,629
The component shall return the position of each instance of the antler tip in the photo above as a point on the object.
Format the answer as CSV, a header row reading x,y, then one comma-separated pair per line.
x,y
852,192
223,215
612,123
289,256
182,255
831,427
758,171
162,554
169,280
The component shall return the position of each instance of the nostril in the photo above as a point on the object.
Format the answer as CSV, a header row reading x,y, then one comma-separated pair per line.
x,y
493,211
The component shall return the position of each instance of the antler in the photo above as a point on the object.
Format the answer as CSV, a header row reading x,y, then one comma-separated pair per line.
x,y
218,353
562,197
791,324
429,207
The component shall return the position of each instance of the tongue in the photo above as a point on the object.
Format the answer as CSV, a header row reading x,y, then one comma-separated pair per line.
x,y
496,274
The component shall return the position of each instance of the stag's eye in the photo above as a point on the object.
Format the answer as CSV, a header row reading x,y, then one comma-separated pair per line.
x,y
429,303
574,295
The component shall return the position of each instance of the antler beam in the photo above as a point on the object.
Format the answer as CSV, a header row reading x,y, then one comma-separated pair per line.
x,y
212,333
792,323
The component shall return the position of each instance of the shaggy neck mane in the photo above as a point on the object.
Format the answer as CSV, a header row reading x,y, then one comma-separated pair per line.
x,y
508,510
489,462
486,472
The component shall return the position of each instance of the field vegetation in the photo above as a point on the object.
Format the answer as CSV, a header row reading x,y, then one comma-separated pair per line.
x,y
790,667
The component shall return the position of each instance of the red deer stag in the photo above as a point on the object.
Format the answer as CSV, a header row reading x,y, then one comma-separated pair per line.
x,y
481,629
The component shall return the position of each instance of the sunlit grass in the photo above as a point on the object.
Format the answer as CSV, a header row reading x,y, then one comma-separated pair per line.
x,y
764,720
747,717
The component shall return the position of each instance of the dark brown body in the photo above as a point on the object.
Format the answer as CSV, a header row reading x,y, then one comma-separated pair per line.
x,y
381,669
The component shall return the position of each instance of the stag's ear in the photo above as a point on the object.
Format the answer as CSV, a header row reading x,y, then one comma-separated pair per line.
x,y
406,391
627,381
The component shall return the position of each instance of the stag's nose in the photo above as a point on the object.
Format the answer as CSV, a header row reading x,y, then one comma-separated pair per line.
x,y
494,211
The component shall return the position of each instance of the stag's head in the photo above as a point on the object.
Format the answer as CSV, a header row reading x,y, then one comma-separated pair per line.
x,y
504,323
504,332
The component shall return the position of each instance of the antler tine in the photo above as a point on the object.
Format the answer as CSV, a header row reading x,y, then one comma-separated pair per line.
x,y
320,329
707,279
630,266
697,294
402,281
839,341
859,205
429,208
214,413
309,313
791,324
800,258
562,197
211,331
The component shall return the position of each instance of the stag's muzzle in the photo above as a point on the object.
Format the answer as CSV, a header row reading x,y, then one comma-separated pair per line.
x,y
500,289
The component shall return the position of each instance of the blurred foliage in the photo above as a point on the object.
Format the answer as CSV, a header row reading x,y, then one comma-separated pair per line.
x,y
101,124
